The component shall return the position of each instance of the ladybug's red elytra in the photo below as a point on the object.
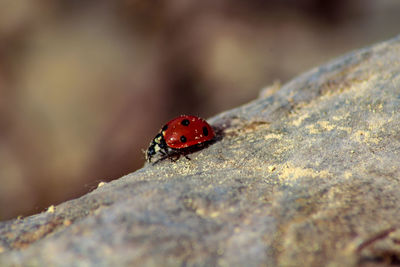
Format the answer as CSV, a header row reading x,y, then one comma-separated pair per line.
x,y
179,136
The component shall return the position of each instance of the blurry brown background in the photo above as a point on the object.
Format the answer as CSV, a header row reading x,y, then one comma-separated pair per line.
x,y
85,85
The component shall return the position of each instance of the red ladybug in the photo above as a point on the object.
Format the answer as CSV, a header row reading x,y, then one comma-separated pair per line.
x,y
180,136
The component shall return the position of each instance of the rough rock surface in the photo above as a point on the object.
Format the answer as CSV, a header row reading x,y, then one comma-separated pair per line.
x,y
306,175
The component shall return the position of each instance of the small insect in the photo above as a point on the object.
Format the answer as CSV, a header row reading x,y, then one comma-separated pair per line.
x,y
180,136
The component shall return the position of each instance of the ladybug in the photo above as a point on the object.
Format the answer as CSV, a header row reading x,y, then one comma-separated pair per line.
x,y
180,136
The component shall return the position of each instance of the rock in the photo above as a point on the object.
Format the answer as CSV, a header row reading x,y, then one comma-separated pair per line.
x,y
306,175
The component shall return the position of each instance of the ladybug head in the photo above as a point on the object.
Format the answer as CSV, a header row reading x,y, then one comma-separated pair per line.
x,y
157,145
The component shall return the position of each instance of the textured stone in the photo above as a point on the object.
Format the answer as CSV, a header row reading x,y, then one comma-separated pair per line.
x,y
306,175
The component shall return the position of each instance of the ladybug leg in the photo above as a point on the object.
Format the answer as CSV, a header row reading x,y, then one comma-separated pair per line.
x,y
160,159
173,157
155,162
184,153
169,154
164,155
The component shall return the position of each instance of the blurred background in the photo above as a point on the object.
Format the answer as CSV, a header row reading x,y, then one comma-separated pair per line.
x,y
85,85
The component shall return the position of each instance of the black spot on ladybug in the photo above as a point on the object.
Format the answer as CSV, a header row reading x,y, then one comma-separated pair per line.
x,y
183,139
185,122
165,127
205,131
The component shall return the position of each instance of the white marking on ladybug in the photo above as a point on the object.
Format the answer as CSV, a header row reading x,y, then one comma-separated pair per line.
x,y
158,140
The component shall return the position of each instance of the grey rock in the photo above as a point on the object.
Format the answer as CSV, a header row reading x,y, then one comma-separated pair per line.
x,y
306,175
